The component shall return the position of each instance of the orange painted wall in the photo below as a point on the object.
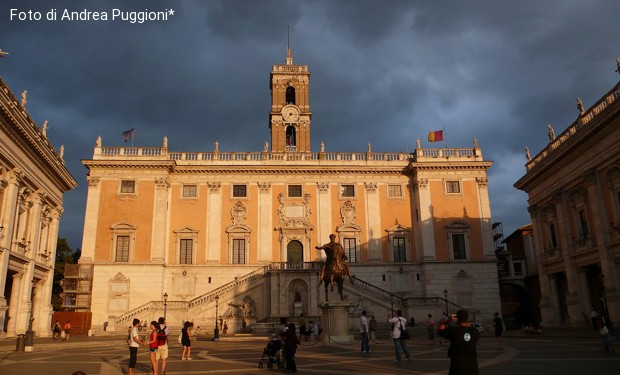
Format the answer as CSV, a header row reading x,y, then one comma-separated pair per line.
x,y
393,212
115,208
188,212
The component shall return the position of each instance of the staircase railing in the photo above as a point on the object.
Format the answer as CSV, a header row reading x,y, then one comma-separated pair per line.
x,y
378,292
210,296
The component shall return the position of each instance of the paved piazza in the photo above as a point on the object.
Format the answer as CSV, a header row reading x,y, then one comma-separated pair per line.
x,y
558,354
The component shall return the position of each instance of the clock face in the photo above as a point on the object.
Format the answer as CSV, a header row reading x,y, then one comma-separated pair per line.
x,y
290,113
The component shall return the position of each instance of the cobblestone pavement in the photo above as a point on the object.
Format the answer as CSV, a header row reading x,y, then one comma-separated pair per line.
x,y
517,355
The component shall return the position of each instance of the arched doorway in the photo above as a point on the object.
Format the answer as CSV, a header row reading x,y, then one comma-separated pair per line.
x,y
294,252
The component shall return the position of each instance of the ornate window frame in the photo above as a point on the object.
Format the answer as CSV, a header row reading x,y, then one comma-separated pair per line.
x,y
122,229
390,196
458,227
195,196
613,184
579,202
341,187
134,187
398,232
459,185
185,233
550,230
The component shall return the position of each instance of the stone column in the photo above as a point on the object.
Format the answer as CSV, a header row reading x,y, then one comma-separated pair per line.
x,y
160,220
7,221
34,230
214,222
265,223
91,218
547,311
427,236
488,245
574,296
14,306
373,222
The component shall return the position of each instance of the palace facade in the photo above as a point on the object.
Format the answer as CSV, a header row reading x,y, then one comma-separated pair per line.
x,y
200,235
573,188
33,178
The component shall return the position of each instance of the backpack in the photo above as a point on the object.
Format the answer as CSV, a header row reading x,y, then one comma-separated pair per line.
x,y
162,338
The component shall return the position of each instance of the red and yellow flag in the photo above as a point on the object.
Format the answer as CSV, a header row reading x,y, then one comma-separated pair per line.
x,y
435,136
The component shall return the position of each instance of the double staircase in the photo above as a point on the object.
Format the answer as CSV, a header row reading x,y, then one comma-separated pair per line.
x,y
366,291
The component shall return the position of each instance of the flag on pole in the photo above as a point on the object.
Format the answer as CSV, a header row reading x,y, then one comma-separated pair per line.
x,y
435,136
128,135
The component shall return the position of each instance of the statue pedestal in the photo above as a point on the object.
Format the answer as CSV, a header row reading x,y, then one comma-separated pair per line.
x,y
336,323
297,309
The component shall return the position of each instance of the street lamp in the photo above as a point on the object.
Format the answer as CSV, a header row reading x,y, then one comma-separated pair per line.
x,y
445,297
165,304
216,331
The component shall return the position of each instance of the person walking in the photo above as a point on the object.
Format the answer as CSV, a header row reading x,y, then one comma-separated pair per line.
x,y
162,343
399,323
56,330
608,343
302,321
499,327
67,330
372,328
365,331
153,345
134,342
430,328
186,340
463,338
290,347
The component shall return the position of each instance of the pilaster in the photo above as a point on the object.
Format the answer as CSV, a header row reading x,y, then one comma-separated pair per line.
x,y
265,220
373,222
485,217
160,220
427,252
91,217
324,212
214,222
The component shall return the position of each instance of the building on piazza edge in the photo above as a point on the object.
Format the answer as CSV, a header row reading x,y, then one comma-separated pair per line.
x,y
233,234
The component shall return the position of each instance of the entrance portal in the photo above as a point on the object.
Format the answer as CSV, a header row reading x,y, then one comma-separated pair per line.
x,y
294,252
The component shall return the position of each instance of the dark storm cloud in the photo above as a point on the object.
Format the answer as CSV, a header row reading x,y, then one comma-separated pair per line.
x,y
384,72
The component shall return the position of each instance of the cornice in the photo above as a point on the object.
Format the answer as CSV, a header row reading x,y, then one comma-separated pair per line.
x,y
27,132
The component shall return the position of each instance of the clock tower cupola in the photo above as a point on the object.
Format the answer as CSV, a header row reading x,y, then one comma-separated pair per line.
x,y
289,119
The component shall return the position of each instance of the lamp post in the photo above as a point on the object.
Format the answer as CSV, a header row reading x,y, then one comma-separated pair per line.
x,y
216,331
445,297
165,304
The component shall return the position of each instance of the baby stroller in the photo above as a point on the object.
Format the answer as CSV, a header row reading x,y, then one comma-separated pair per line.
x,y
273,353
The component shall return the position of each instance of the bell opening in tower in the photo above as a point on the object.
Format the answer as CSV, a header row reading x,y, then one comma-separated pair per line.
x,y
291,142
290,95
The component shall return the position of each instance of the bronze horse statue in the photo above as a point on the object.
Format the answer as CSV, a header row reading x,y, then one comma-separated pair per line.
x,y
335,267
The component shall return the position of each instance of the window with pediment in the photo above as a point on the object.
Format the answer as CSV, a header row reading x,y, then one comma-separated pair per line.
x,y
123,242
458,240
186,244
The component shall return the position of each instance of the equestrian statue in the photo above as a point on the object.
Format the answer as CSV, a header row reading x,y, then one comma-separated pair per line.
x,y
335,266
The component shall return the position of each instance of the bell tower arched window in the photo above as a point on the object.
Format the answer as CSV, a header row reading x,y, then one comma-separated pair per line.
x,y
290,95
291,136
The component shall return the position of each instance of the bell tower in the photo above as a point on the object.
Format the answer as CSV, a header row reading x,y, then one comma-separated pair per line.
x,y
289,119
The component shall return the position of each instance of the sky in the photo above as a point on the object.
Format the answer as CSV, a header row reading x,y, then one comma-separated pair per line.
x,y
383,71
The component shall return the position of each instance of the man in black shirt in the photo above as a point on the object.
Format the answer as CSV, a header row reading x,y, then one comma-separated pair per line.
x,y
463,338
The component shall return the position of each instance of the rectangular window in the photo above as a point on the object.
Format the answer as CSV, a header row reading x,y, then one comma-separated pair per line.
x,y
347,191
240,191
554,238
128,187
518,267
398,246
238,251
189,191
185,251
294,191
453,187
583,222
350,249
395,191
458,246
500,266
122,249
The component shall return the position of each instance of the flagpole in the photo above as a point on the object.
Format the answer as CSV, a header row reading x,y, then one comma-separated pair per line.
x,y
445,140
133,135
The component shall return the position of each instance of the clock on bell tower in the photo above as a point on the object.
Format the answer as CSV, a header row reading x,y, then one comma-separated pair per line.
x,y
289,119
